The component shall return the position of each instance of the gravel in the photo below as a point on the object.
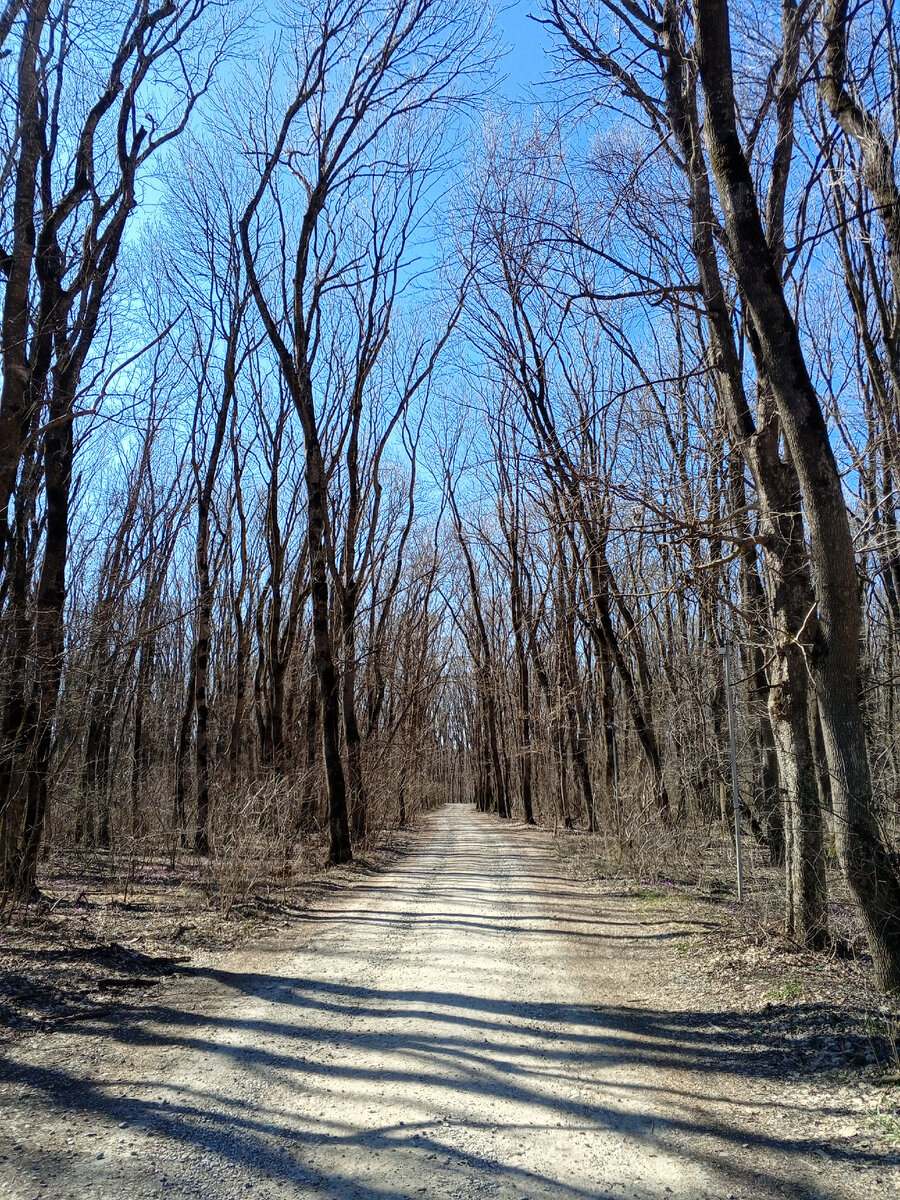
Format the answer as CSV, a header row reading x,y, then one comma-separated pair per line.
x,y
467,1024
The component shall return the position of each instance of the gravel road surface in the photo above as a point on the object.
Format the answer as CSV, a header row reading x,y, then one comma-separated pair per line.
x,y
468,1024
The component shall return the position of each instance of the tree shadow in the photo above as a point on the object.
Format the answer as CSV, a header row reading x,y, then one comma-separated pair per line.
x,y
450,1043
636,1072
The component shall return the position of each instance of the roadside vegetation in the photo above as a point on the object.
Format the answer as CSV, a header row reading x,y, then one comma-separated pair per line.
x,y
369,441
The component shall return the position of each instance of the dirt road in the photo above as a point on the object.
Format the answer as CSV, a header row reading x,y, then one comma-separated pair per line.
x,y
468,1024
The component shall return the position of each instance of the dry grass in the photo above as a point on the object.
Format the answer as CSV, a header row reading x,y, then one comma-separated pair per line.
x,y
814,1015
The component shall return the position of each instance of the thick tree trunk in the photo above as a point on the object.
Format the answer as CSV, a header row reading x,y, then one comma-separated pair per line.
x,y
339,848
49,636
556,731
309,805
17,395
181,757
864,857
791,601
17,633
17,417
352,737
806,890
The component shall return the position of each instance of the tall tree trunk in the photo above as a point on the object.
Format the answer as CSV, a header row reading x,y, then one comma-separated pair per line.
x,y
49,635
778,496
140,750
753,602
864,857
17,396
201,674
352,737
309,804
16,641
339,848
205,489
517,605
181,756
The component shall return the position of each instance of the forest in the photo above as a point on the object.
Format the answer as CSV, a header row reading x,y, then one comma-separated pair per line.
x,y
372,439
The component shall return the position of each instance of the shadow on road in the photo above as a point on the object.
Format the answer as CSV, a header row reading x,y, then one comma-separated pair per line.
x,y
454,1042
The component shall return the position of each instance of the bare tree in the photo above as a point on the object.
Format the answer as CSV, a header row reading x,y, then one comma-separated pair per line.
x,y
77,187
363,78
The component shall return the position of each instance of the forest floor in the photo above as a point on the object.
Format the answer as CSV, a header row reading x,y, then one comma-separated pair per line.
x,y
473,1019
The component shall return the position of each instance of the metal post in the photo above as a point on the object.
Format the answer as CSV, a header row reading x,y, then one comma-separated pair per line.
x,y
726,651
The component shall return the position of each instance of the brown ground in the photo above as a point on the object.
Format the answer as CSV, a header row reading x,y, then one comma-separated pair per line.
x,y
474,1021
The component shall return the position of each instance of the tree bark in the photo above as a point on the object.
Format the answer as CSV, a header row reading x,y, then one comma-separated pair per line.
x,y
779,358
791,600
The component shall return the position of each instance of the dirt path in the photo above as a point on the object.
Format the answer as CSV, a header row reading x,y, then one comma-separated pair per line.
x,y
469,1024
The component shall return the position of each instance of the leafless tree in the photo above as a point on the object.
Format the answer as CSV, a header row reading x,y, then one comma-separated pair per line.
x,y
74,190
364,82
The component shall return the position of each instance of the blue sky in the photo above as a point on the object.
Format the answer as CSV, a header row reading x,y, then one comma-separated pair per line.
x,y
527,61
